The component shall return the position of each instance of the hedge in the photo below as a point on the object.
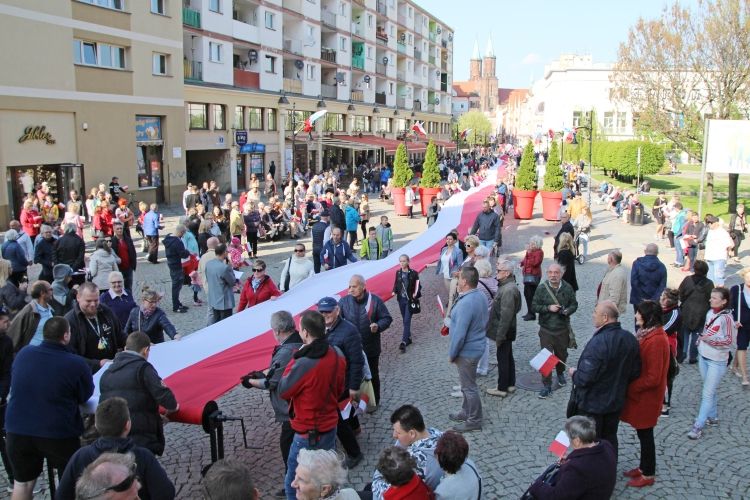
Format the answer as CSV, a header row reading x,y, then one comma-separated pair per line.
x,y
619,158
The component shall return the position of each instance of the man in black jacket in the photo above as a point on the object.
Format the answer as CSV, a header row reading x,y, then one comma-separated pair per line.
x,y
133,378
70,249
113,425
338,219
318,232
344,335
95,332
44,252
175,251
608,363
122,245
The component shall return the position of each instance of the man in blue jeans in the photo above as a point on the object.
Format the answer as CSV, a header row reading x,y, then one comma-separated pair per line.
x,y
175,251
312,383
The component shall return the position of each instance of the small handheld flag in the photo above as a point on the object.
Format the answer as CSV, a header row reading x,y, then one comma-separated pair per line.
x,y
544,362
560,445
440,305
418,128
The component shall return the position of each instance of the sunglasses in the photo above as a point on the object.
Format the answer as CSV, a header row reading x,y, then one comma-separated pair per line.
x,y
299,250
258,270
120,487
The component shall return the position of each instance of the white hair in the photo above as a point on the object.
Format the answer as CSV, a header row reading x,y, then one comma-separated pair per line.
x,y
324,466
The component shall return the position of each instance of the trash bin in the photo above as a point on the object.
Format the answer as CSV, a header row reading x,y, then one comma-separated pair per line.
x,y
636,215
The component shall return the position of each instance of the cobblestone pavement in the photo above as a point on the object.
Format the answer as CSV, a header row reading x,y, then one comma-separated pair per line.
x,y
512,449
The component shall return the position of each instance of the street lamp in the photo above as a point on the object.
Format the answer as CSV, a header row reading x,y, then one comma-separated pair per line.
x,y
283,101
590,129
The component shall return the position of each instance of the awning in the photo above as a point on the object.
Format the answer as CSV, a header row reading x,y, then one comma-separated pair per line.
x,y
252,147
445,144
375,142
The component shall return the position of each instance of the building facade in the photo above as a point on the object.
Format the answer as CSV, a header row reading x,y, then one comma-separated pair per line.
x,y
255,70
92,89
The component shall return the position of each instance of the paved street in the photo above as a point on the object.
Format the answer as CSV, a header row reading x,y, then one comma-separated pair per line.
x,y
512,449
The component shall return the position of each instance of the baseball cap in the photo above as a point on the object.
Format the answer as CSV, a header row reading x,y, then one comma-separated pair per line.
x,y
327,304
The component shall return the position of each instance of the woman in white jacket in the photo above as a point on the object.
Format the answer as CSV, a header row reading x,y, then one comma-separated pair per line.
x,y
296,269
102,262
714,345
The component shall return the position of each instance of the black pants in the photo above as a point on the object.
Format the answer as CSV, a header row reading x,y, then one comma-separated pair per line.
x,y
648,451
374,361
316,260
252,239
178,280
557,343
352,238
528,294
285,440
345,433
363,226
506,366
606,426
153,248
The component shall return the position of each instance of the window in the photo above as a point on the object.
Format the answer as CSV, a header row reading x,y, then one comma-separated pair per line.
x,y
295,119
255,116
342,8
384,124
157,7
390,88
360,123
369,20
409,39
214,51
622,118
270,64
576,118
369,52
410,11
98,54
271,119
424,70
609,122
214,6
109,4
310,72
220,122
270,20
159,64
239,117
198,116
343,43
334,122
311,33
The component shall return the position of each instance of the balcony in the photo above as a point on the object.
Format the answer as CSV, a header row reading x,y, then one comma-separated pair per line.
x,y
433,36
329,91
328,55
430,108
192,70
380,98
246,79
417,105
358,63
293,46
293,85
382,8
401,47
417,55
382,36
191,17
432,60
402,19
328,18
295,5
357,30
444,43
380,69
358,95
401,75
245,31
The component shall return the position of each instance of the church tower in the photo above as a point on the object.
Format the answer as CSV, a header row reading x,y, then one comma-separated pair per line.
x,y
489,83
475,64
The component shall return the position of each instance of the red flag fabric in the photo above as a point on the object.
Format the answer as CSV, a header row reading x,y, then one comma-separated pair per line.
x,y
544,362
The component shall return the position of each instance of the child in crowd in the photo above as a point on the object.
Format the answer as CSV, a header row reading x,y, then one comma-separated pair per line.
x,y
385,235
372,247
196,286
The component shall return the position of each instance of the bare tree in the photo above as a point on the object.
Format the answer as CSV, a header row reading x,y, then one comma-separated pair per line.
x,y
685,67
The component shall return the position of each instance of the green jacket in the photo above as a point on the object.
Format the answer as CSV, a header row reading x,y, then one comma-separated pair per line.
x,y
566,297
364,251
505,307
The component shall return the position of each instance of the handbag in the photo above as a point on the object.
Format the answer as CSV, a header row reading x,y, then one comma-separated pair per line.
x,y
572,408
415,307
531,279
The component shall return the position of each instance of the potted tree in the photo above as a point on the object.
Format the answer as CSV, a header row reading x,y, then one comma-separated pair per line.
x,y
553,184
402,175
429,184
525,191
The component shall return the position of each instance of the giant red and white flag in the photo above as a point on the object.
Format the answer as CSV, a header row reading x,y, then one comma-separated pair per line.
x,y
560,445
544,362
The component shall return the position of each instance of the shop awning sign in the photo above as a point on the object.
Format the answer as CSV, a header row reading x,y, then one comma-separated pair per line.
x,y
253,147
147,128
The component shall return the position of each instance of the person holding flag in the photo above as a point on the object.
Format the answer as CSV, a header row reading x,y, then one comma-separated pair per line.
x,y
554,301
407,290
608,364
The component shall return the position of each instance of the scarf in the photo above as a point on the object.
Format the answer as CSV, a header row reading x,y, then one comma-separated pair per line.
x,y
642,333
255,283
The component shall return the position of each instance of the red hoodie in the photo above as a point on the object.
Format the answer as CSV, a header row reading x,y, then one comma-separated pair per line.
x,y
413,490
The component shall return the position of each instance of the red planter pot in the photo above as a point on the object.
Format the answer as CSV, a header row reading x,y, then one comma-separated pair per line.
x,y
425,197
551,201
399,204
523,203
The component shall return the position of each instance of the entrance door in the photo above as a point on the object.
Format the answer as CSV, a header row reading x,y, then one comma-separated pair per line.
x,y
241,173
28,180
149,159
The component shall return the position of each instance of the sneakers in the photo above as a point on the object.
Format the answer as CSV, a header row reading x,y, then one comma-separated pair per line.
x,y
467,427
529,317
712,421
665,411
561,379
456,388
198,303
181,309
545,393
695,433
497,392
402,347
457,417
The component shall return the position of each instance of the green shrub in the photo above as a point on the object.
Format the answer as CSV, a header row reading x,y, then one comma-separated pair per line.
x,y
430,170
526,175
402,174
553,176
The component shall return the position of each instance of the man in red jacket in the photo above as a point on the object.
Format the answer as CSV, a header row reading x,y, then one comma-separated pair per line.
x,y
311,383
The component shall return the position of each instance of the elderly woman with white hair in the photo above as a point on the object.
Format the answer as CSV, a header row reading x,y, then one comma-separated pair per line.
x,y
320,475
14,253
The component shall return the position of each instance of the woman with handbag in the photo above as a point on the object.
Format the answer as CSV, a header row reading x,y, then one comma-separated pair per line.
x,y
567,260
407,289
531,266
646,393
741,304
671,319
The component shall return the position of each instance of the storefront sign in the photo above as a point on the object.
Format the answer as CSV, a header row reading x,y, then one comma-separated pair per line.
x,y
240,137
147,128
253,147
36,133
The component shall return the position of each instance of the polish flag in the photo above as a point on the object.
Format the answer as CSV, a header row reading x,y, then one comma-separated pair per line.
x,y
345,407
560,445
465,133
440,305
418,128
544,362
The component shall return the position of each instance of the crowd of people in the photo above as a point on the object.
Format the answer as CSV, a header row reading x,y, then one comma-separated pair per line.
x,y
81,314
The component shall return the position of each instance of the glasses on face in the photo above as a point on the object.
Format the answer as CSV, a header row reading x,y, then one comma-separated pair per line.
x,y
258,270
299,250
469,245
107,240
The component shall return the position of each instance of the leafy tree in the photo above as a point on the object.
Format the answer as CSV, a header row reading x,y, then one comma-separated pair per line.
x,y
683,67
526,176
430,170
402,174
553,176
478,123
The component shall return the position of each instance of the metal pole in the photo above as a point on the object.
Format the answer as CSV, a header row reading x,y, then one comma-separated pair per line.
x,y
703,169
591,147
638,176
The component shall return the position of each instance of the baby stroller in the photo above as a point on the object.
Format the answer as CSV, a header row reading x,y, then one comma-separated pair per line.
x,y
581,237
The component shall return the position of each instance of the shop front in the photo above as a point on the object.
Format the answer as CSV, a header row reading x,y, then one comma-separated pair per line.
x,y
149,154
37,149
253,158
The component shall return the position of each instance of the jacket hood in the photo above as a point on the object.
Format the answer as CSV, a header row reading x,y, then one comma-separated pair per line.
x,y
101,252
114,444
124,359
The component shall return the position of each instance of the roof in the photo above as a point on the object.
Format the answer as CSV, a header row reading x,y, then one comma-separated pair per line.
x,y
489,51
465,89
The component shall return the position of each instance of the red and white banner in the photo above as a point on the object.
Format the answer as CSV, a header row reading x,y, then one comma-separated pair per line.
x,y
560,445
544,362
208,363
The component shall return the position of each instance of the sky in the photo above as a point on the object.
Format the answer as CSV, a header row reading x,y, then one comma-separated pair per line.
x,y
527,34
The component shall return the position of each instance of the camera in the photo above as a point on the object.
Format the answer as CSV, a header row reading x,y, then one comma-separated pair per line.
x,y
563,312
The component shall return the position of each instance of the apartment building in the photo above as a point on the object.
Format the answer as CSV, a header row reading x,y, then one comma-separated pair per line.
x,y
91,89
254,70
